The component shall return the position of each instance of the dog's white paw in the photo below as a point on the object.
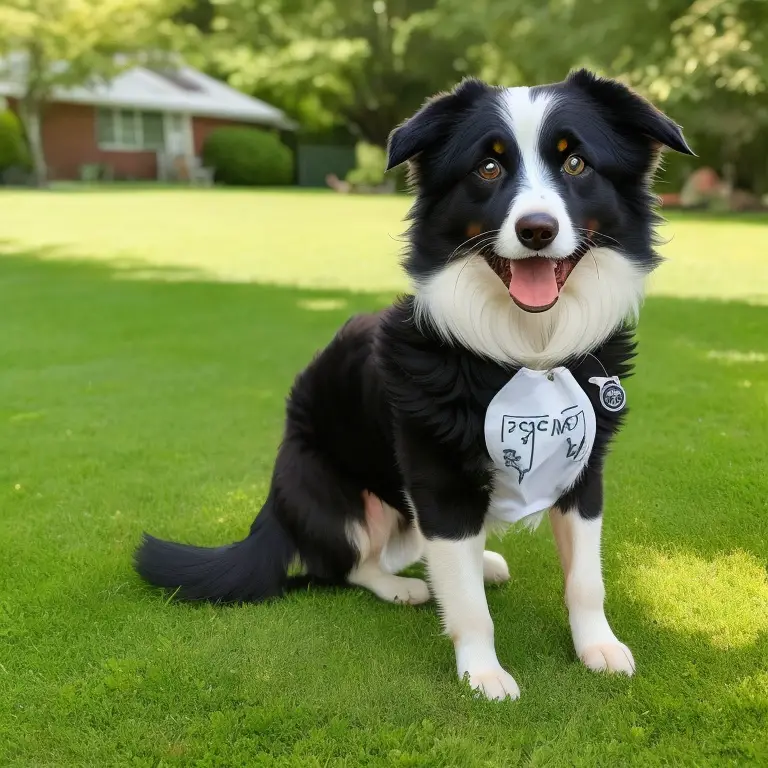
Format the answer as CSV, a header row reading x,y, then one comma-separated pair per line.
x,y
494,683
407,591
609,657
495,568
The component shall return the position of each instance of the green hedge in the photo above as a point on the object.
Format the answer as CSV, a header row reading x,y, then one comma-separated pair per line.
x,y
248,157
13,147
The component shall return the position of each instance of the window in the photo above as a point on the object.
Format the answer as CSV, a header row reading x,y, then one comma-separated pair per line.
x,y
131,129
127,129
105,127
152,130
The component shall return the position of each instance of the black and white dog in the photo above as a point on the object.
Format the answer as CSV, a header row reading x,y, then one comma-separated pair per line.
x,y
481,397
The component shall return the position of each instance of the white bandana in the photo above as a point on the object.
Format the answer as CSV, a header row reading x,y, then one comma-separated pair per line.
x,y
539,431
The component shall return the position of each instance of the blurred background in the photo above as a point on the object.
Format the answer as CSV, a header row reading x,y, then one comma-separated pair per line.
x,y
128,90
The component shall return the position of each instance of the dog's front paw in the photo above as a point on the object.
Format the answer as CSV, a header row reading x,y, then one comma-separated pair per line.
x,y
609,657
495,568
494,683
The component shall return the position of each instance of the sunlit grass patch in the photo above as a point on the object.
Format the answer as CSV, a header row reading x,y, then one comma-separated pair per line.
x,y
723,599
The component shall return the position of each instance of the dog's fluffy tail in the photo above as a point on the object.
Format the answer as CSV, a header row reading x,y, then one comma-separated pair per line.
x,y
247,571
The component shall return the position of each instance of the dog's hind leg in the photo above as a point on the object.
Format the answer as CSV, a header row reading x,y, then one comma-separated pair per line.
x,y
404,547
405,542
386,547
387,586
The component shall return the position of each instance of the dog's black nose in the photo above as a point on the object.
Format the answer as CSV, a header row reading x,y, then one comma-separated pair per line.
x,y
536,230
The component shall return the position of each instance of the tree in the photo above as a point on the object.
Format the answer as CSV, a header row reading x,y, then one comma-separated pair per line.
x,y
703,61
716,78
365,64
51,44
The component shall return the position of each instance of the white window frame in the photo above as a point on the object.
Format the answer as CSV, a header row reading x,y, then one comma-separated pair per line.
x,y
138,126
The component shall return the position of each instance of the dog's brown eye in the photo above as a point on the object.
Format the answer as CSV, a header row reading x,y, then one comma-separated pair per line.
x,y
574,165
489,170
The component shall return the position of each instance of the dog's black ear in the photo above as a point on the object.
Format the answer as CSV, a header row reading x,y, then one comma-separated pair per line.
x,y
432,123
630,112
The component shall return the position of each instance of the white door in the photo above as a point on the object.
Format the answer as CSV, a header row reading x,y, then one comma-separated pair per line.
x,y
178,134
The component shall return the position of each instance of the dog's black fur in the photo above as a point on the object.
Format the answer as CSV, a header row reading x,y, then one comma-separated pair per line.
x,y
390,406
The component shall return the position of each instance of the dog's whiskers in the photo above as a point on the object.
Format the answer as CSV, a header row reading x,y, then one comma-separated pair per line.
x,y
597,266
591,233
469,257
474,251
489,234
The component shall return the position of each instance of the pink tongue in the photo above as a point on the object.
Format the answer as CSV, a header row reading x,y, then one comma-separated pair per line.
x,y
533,282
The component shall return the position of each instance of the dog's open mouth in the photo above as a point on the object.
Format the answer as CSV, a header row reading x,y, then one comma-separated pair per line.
x,y
535,283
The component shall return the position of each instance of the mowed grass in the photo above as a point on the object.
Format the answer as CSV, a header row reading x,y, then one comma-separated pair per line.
x,y
321,240
148,342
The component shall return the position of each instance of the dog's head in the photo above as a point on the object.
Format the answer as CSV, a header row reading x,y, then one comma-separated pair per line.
x,y
533,224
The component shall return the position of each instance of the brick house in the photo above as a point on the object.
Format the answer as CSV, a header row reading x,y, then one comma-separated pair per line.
x,y
143,124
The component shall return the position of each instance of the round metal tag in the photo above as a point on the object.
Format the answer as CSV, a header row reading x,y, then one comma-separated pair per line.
x,y
612,396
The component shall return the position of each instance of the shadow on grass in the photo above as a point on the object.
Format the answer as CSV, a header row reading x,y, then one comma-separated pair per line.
x,y
700,377
64,292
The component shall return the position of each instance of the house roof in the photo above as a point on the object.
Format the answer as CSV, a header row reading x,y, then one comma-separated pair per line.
x,y
182,89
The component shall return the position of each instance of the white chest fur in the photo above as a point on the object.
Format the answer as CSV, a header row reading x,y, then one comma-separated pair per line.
x,y
539,431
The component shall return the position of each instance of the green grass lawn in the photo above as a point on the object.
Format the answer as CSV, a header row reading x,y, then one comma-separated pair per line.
x,y
148,341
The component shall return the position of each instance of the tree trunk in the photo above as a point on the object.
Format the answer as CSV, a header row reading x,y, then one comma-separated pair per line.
x,y
31,116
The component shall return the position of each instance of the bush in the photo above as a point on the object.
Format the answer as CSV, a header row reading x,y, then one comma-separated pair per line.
x,y
371,162
248,157
369,171
13,147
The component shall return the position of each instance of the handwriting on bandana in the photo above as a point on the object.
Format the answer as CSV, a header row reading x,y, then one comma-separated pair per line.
x,y
524,433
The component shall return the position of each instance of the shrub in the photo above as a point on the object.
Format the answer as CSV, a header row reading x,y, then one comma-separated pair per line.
x,y
369,171
13,147
371,162
248,157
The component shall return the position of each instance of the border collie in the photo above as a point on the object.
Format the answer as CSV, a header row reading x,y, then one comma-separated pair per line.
x,y
480,398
